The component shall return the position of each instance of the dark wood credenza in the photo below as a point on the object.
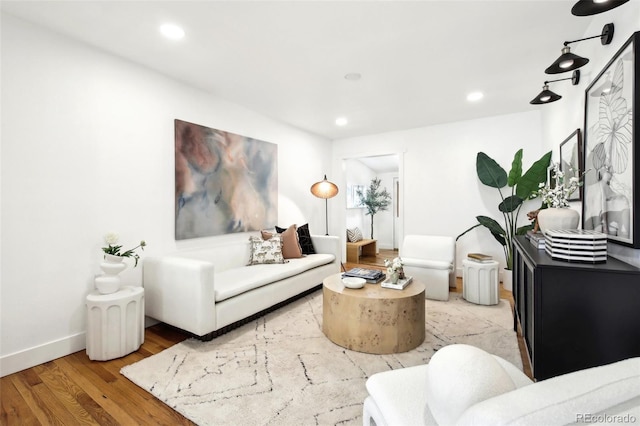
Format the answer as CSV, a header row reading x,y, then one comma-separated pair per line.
x,y
574,315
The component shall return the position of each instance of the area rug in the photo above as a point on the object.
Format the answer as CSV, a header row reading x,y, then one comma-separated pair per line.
x,y
281,369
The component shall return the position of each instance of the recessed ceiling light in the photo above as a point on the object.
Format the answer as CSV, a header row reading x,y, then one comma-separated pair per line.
x,y
353,76
475,96
172,31
341,121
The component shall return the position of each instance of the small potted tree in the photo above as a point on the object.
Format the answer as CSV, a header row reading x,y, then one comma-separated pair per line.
x,y
374,199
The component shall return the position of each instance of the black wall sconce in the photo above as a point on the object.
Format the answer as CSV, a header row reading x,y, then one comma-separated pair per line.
x,y
547,96
593,7
569,61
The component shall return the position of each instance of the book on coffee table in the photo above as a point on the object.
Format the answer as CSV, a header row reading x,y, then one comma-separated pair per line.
x,y
400,285
372,276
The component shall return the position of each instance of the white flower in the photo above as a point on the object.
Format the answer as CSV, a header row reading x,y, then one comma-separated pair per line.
x,y
111,238
394,265
557,196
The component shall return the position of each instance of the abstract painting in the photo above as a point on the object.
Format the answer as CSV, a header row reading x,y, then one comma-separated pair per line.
x,y
224,182
610,152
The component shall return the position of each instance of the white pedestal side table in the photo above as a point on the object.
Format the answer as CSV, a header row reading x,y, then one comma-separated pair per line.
x,y
480,282
115,323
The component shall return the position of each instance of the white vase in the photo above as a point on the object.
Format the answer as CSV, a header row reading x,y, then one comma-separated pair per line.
x,y
553,218
109,282
395,277
507,279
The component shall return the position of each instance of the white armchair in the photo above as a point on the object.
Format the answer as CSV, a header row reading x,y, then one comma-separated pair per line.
x,y
430,260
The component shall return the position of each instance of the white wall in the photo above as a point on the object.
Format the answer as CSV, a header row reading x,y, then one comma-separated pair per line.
x,y
88,147
357,174
561,118
440,192
383,221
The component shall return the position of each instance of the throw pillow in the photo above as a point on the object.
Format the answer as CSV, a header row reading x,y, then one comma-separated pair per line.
x,y
266,251
354,234
290,246
460,376
304,238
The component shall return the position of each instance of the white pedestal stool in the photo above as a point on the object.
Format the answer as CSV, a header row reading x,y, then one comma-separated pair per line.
x,y
115,323
480,282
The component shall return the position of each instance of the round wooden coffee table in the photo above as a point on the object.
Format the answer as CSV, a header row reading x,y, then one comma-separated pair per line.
x,y
373,319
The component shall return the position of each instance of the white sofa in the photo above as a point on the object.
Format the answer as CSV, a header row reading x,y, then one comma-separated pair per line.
x,y
205,290
430,259
464,385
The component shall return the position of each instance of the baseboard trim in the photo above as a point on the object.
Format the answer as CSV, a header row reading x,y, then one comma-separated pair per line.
x,y
27,358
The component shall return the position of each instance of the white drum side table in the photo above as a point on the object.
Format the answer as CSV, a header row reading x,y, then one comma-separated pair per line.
x,y
480,282
115,323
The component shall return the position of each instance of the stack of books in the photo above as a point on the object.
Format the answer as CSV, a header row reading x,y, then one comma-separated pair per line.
x,y
479,257
576,245
400,285
370,275
536,239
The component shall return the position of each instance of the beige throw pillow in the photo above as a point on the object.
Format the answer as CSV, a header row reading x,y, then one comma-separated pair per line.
x,y
290,245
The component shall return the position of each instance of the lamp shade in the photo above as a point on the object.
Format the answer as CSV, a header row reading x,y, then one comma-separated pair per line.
x,y
593,7
324,189
545,97
566,62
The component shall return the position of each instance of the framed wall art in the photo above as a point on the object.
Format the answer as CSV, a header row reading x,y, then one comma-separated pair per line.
x,y
224,182
571,160
611,156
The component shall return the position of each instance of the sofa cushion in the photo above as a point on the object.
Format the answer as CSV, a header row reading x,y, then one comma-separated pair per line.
x,y
304,238
235,281
265,251
290,245
460,376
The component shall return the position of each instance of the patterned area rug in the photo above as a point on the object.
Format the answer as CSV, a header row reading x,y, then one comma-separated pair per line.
x,y
282,370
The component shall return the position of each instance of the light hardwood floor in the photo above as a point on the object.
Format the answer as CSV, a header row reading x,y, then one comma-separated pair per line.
x,y
73,390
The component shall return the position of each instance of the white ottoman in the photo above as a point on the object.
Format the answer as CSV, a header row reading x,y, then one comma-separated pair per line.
x,y
480,282
115,323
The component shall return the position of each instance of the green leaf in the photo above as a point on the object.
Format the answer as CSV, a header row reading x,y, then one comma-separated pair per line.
x,y
491,224
516,169
499,238
473,227
533,177
523,229
510,204
489,172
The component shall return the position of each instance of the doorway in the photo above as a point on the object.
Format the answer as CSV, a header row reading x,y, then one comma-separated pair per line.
x,y
387,224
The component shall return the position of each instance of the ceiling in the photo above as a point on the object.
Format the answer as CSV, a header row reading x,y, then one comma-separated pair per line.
x,y
287,59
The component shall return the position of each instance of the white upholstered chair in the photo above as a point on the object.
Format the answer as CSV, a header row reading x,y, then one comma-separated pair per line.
x,y
430,259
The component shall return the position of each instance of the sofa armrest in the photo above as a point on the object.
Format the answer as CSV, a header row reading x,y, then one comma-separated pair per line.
x,y
431,264
564,399
327,244
180,291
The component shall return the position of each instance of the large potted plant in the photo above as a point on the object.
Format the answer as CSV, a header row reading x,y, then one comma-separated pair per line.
x,y
374,199
518,188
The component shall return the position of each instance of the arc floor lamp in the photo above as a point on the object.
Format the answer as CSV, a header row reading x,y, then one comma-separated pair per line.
x,y
325,189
